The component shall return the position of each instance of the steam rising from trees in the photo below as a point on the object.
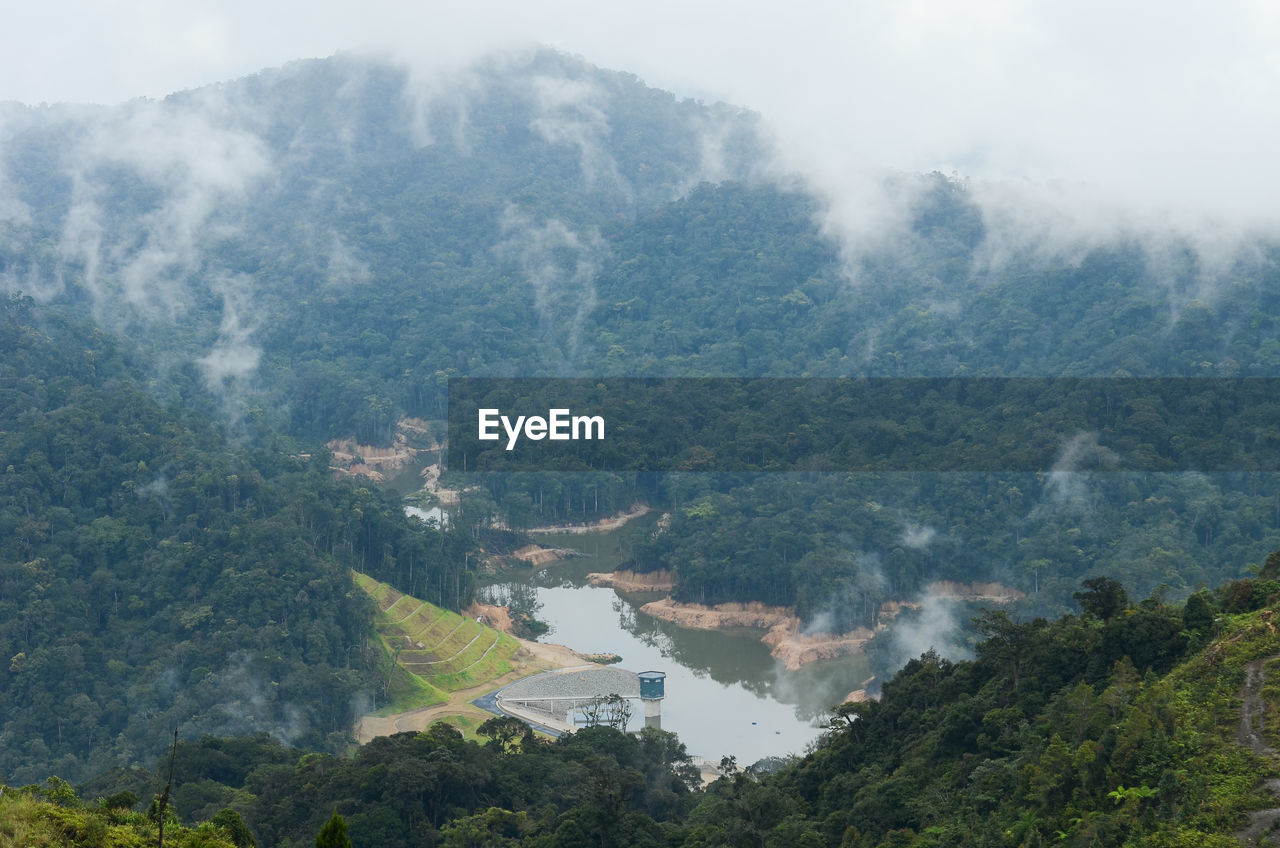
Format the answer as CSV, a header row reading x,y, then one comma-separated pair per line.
x,y
560,265
199,167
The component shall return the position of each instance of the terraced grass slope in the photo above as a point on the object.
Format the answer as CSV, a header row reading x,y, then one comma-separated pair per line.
x,y
431,650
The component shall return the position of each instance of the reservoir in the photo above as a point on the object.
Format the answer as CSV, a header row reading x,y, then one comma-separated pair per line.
x,y
725,695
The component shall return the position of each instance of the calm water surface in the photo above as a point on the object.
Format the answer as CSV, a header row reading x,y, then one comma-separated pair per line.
x,y
724,693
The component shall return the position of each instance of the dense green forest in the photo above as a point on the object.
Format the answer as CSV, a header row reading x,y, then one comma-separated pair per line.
x,y
1116,726
347,237
201,291
840,544
155,574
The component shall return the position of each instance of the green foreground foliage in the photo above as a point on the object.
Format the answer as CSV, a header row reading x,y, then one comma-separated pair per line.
x,y
334,833
52,815
1115,727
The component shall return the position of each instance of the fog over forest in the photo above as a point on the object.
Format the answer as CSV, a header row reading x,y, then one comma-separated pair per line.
x,y
1133,114
244,250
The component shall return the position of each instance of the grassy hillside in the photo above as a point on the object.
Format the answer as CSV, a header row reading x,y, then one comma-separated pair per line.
x,y
430,651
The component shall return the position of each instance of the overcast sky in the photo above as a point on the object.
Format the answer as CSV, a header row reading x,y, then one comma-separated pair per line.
x,y
1155,106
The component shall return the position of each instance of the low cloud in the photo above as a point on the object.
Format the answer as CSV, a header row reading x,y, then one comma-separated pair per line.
x,y
560,265
345,267
185,171
917,537
935,626
574,113
248,704
1066,483
436,99
233,361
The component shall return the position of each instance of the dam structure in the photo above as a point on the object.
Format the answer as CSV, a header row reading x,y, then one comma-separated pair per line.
x,y
559,702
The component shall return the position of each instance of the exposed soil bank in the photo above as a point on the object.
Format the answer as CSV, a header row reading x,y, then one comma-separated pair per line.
x,y
859,695
630,581
496,617
534,555
538,555
379,463
721,616
602,526
785,631
431,482
792,647
795,649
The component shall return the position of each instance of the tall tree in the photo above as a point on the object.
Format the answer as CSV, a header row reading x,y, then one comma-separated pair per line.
x,y
334,833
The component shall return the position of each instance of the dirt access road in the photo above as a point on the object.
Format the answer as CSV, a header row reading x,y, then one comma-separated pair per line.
x,y
1261,829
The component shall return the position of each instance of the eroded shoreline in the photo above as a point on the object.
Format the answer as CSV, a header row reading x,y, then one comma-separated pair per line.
x,y
784,631
603,525
625,580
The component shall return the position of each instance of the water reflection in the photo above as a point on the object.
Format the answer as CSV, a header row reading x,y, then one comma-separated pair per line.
x,y
725,693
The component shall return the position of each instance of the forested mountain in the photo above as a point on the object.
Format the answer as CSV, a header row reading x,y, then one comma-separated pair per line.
x,y
213,284
328,241
332,239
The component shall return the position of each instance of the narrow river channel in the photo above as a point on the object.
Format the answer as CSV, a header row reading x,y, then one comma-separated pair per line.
x,y
724,693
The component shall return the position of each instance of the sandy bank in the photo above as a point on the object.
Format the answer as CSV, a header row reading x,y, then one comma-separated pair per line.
x,y
630,581
431,482
538,555
721,616
496,617
784,629
554,656
795,649
602,526
379,463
